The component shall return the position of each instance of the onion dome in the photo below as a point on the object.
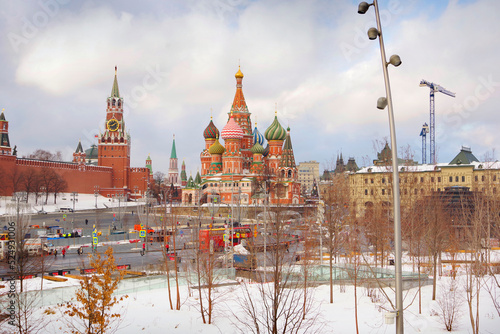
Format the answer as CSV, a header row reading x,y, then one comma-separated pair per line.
x,y
266,151
257,149
216,148
257,136
239,74
275,131
232,130
211,131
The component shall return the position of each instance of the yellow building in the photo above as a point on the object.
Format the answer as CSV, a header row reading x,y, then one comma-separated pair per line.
x,y
372,186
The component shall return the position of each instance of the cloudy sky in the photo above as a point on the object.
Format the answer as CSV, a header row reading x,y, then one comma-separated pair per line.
x,y
177,59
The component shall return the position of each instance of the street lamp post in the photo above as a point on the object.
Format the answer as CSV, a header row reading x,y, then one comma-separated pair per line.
x,y
382,102
74,199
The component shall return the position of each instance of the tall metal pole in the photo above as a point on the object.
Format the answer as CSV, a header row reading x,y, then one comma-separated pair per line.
x,y
395,183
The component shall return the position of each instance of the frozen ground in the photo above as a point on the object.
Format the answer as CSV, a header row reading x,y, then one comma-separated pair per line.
x,y
149,311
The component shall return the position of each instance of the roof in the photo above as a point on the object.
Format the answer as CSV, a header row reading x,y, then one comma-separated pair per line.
x,y
91,153
79,148
465,157
173,154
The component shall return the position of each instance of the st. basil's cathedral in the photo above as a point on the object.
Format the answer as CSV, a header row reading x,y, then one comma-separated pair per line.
x,y
242,170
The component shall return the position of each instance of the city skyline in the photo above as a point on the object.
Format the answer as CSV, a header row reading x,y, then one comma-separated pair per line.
x,y
312,62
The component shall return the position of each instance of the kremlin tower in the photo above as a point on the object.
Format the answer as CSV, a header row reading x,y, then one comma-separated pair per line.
x,y
173,171
4,136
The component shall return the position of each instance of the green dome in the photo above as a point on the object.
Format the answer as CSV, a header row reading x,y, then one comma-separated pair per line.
x,y
216,148
257,149
275,131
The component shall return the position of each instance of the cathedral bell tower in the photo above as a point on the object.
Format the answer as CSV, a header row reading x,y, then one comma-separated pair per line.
x,y
114,143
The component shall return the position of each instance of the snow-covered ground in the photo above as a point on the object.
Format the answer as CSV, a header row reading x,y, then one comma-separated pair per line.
x,y
64,200
149,311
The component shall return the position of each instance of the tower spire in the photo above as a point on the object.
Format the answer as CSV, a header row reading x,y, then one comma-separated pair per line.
x,y
115,92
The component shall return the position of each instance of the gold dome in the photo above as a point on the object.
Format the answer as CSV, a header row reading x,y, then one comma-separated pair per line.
x,y
239,74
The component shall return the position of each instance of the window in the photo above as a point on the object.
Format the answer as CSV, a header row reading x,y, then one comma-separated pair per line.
x,y
475,178
421,180
482,178
451,178
371,180
494,190
432,179
383,191
366,192
383,180
371,192
456,178
416,191
366,181
494,177
439,178
406,192
463,178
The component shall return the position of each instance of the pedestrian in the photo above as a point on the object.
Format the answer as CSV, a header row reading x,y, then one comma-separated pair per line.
x,y
86,221
55,253
143,248
64,252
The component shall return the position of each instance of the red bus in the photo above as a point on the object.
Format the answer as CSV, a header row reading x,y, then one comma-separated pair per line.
x,y
217,235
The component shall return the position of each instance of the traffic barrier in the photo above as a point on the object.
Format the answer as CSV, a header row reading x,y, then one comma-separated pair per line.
x,y
55,278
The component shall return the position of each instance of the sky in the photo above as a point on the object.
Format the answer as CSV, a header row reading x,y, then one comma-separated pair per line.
x,y
310,61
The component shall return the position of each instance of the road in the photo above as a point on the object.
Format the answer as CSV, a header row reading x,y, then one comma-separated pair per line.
x,y
125,253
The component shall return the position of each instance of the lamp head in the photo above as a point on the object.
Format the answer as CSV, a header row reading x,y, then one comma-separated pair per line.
x,y
363,7
381,103
373,33
395,60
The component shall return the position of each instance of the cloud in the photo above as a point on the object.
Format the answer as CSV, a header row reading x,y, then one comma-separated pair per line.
x,y
176,61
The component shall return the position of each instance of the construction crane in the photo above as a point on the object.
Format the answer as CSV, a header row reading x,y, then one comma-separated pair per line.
x,y
423,134
432,142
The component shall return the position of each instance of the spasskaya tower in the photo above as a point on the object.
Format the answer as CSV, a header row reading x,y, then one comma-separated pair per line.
x,y
114,143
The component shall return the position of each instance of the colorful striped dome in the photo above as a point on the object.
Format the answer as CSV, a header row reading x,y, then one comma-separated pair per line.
x,y
257,149
275,131
266,151
211,132
232,130
257,136
216,148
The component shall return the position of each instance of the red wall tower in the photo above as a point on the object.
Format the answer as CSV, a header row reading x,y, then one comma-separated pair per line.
x,y
114,144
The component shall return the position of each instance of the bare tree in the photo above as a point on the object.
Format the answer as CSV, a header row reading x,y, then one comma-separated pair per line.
x,y
279,306
40,154
449,305
335,196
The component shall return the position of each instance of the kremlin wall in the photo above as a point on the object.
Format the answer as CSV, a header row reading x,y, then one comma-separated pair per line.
x,y
112,175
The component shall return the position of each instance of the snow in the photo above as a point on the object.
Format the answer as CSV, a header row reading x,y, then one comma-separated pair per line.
x,y
148,311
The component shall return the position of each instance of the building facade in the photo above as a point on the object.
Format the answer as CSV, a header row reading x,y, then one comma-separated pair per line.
x,y
308,175
372,186
241,170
